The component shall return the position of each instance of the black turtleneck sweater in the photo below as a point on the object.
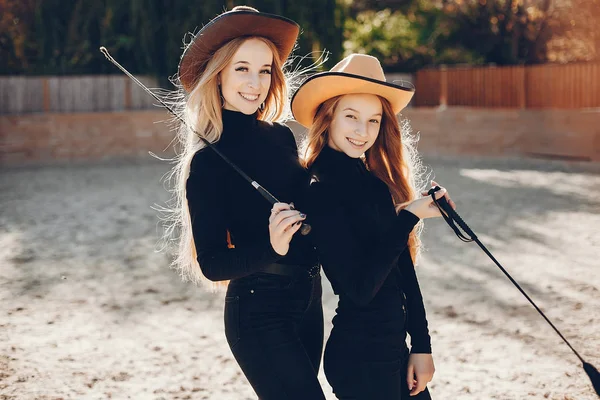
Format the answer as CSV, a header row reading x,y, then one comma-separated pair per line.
x,y
362,246
220,200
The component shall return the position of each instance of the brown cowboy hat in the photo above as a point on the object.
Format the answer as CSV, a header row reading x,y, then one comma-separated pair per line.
x,y
357,73
240,21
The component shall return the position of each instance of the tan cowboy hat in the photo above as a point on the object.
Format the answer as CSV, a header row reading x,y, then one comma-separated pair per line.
x,y
240,21
357,73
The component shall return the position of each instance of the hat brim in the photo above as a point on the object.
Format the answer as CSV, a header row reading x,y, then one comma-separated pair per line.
x,y
324,86
282,31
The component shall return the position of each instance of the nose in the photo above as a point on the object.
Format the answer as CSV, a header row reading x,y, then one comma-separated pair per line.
x,y
361,130
254,81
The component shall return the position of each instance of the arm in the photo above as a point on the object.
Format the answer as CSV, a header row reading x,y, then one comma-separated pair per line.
x,y
417,326
288,139
359,272
209,226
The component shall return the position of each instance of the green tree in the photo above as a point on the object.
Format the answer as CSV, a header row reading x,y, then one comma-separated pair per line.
x,y
406,40
425,32
146,36
503,31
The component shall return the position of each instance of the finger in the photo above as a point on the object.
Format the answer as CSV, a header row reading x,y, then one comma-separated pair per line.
x,y
448,199
419,387
447,195
283,215
286,223
427,193
441,193
452,204
276,216
438,195
291,221
276,209
410,376
280,206
414,386
292,230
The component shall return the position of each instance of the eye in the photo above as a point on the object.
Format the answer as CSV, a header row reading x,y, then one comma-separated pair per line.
x,y
375,121
350,116
242,69
266,71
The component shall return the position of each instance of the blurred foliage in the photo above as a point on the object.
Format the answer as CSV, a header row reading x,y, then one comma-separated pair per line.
x,y
421,32
407,40
63,36
57,37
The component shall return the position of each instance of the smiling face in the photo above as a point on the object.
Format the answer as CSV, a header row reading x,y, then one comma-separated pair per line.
x,y
246,80
355,124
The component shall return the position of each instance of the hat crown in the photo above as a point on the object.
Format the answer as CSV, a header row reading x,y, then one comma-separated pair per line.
x,y
362,65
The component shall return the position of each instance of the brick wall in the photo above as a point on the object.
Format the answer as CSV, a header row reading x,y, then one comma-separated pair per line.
x,y
568,134
83,137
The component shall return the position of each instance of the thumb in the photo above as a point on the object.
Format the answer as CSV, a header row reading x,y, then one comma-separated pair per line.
x,y
410,376
440,193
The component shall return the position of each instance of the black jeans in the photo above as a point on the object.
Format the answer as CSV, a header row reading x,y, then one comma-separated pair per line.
x,y
274,327
355,378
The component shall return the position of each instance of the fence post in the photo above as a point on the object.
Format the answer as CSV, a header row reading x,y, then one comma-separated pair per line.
x,y
127,94
46,95
523,87
443,86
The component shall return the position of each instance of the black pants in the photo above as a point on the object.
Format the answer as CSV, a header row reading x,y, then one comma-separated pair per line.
x,y
274,327
355,371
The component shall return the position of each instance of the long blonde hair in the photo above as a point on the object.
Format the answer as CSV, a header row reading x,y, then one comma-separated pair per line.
x,y
201,110
393,157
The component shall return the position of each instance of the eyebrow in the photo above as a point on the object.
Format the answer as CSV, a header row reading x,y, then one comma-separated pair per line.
x,y
352,109
246,62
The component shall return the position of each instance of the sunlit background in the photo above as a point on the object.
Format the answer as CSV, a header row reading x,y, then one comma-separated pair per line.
x,y
507,108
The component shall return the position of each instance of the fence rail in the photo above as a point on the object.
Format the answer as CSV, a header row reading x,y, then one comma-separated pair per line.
x,y
22,95
567,86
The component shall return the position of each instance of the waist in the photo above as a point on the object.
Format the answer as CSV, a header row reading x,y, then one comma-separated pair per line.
x,y
293,270
282,276
385,314
365,347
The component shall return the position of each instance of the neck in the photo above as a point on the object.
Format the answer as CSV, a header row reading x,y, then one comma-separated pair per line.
x,y
339,163
236,119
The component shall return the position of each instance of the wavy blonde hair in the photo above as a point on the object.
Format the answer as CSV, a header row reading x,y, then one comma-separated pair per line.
x,y
393,158
201,111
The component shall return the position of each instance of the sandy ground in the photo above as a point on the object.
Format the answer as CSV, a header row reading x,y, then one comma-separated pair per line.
x,y
89,309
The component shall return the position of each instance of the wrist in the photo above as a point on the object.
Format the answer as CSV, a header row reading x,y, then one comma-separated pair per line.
x,y
412,211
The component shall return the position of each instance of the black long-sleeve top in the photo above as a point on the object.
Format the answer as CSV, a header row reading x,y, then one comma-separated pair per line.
x,y
220,200
362,245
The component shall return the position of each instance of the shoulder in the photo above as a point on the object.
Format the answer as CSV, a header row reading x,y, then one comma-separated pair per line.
x,y
380,185
204,159
319,189
279,132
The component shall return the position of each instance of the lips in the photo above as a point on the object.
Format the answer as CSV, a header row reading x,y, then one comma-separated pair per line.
x,y
249,97
356,143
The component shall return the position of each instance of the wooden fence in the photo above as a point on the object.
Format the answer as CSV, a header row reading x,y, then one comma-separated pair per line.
x,y
567,86
21,95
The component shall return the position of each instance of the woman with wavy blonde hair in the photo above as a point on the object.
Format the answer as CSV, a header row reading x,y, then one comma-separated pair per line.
x,y
365,216
228,235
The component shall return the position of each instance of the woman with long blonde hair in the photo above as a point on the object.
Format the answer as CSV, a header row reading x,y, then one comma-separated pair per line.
x,y
228,235
365,215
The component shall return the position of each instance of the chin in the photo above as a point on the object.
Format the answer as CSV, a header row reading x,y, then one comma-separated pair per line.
x,y
353,153
244,108
248,111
